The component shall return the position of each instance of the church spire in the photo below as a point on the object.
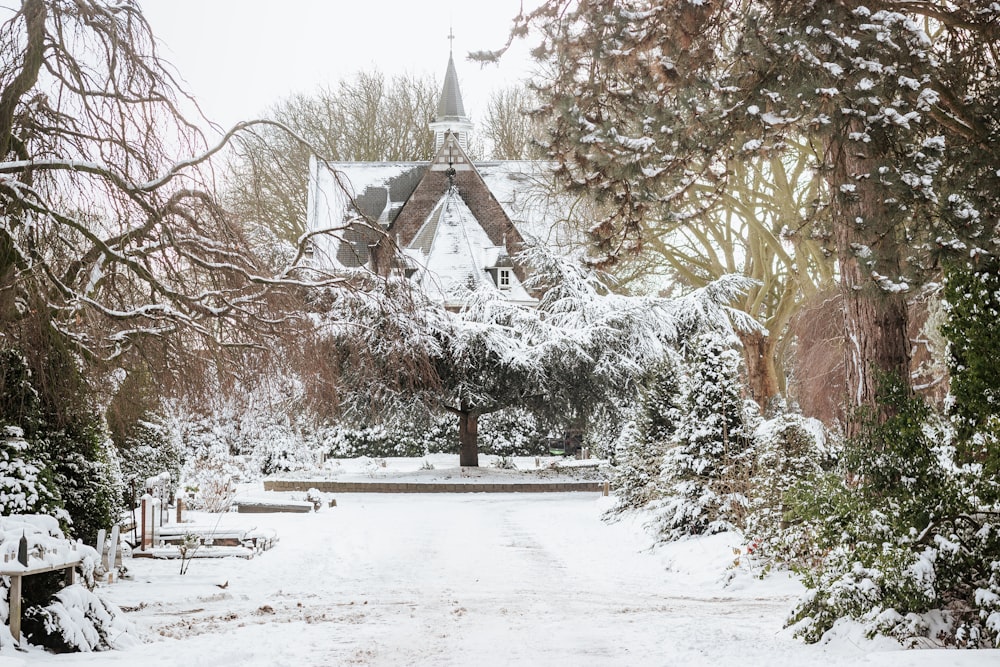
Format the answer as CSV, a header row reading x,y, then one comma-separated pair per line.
x,y
451,115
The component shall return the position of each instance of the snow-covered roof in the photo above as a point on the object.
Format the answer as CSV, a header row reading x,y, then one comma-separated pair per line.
x,y
455,254
522,187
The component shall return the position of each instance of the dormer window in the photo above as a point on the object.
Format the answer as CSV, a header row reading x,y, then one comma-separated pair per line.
x,y
503,278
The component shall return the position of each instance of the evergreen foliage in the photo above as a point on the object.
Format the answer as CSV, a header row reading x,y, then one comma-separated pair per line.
x,y
908,551
145,450
972,297
706,470
642,443
789,452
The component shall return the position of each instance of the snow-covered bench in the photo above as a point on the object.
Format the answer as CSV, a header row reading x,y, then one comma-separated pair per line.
x,y
33,544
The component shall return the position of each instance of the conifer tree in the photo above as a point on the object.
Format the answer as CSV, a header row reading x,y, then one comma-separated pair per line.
x,y
651,100
705,471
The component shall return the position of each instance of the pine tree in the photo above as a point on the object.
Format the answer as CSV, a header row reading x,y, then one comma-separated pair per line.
x,y
651,103
705,471
640,448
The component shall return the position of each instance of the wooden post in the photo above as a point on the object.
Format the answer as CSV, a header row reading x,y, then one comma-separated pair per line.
x,y
143,535
15,607
607,487
180,510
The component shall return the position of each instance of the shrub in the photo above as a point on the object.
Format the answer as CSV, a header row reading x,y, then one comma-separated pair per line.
x,y
909,553
790,454
76,620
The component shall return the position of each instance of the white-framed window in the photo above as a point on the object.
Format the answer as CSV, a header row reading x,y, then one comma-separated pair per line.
x,y
503,278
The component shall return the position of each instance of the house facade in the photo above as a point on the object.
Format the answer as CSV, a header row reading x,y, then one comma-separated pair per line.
x,y
451,224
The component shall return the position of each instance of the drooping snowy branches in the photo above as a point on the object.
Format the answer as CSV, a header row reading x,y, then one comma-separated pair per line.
x,y
582,347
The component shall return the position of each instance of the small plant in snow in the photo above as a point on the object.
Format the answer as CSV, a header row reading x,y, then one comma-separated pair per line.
x,y
426,465
375,468
504,463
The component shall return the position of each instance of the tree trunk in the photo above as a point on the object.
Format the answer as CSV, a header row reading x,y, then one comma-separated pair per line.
x,y
468,437
876,343
762,372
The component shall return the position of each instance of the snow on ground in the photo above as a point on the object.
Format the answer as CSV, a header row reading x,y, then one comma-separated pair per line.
x,y
469,579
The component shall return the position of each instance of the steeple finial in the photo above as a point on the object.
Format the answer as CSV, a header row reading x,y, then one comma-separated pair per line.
x,y
451,40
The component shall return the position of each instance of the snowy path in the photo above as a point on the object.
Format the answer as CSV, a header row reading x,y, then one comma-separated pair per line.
x,y
464,579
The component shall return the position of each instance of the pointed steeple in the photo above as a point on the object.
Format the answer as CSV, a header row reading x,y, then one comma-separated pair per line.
x,y
451,111
450,105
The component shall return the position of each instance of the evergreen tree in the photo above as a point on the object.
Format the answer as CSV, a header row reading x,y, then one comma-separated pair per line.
x,y
640,448
705,472
973,304
650,102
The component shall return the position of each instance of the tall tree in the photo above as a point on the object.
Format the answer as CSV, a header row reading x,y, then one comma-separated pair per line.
x,y
764,227
650,100
508,125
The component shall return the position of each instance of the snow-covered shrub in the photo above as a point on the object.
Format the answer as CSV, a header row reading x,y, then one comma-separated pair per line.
x,y
910,552
316,497
77,620
410,430
706,468
85,469
146,449
210,480
511,432
65,436
790,450
25,485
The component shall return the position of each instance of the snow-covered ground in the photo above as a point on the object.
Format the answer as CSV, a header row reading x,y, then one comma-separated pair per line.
x,y
469,579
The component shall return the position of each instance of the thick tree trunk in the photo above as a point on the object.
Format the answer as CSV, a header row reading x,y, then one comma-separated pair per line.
x,y
468,437
876,343
762,372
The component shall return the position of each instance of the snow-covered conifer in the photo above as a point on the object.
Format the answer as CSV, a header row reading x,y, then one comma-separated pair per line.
x,y
705,472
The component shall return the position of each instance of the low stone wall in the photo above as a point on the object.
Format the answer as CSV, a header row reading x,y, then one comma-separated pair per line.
x,y
376,486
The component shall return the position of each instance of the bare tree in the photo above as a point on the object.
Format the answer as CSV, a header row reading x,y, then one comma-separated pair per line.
x,y
365,117
509,127
112,242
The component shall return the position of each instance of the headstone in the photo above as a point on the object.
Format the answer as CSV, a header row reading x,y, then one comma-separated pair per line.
x,y
114,549
101,537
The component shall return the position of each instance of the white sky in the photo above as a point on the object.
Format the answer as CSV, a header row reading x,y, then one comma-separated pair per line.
x,y
240,56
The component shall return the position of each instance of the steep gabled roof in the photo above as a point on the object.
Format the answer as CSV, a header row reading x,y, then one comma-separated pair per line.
x,y
455,254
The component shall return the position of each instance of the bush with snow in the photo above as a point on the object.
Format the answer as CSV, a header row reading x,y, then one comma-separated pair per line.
x,y
25,485
910,551
789,451
77,620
